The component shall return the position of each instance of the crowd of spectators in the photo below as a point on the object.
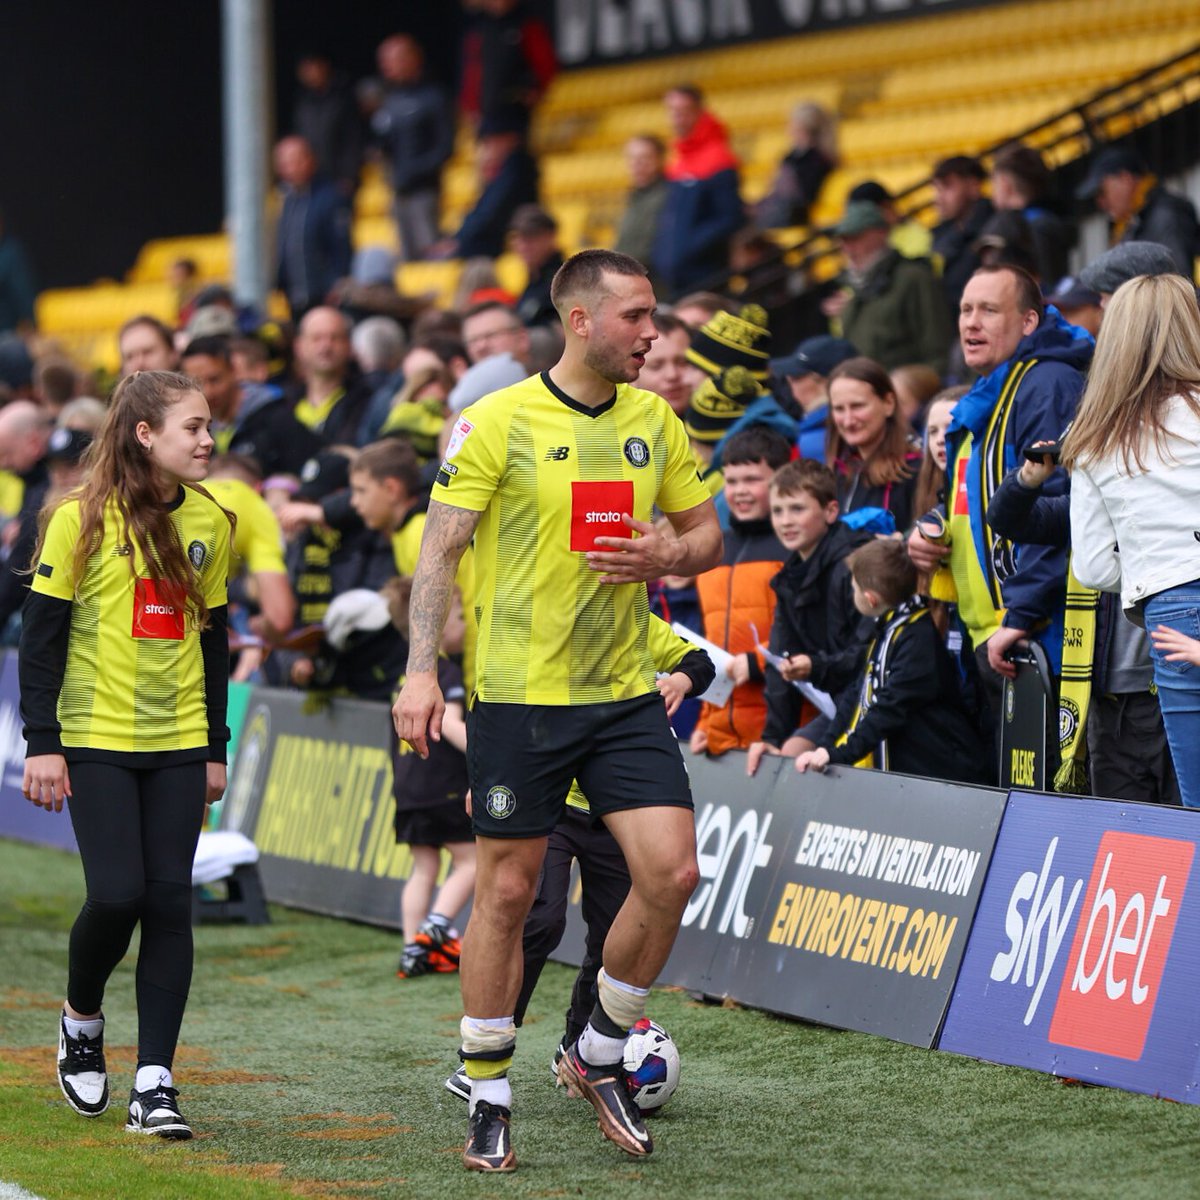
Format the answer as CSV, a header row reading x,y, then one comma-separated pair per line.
x,y
947,355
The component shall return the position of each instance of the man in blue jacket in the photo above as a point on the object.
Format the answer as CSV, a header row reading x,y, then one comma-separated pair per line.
x,y
313,236
1030,364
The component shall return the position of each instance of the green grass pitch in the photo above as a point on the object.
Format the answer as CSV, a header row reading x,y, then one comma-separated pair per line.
x,y
308,1069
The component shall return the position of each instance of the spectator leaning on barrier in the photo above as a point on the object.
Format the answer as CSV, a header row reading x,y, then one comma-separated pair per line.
x,y
736,597
703,208
906,712
1031,364
1139,209
889,306
1107,704
1134,452
817,629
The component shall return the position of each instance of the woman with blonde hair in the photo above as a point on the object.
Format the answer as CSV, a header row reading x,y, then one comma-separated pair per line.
x,y
1134,452
803,169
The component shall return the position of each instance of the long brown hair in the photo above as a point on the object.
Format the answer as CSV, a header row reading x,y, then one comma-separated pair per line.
x,y
1148,351
887,462
931,479
121,473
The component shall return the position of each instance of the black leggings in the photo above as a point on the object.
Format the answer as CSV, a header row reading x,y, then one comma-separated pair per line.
x,y
137,832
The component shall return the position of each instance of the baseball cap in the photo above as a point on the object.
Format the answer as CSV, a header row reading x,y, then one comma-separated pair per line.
x,y
1112,160
1069,292
67,445
860,216
814,356
326,472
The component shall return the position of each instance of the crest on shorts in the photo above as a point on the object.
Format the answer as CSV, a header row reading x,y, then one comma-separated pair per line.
x,y
501,803
637,453
196,554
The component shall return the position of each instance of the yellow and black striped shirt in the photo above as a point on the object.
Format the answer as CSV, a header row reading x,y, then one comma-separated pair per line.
x,y
549,475
134,679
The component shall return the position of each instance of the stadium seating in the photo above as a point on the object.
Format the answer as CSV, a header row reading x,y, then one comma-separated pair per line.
x,y
906,93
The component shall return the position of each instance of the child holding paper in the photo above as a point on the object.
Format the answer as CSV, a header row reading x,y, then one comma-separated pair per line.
x,y
816,628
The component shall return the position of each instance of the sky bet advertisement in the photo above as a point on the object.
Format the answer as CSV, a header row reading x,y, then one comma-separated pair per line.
x,y
1084,960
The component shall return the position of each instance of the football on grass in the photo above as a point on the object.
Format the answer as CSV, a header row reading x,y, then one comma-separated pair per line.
x,y
651,1065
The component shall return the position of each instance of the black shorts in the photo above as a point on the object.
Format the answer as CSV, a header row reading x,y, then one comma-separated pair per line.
x,y
442,825
521,759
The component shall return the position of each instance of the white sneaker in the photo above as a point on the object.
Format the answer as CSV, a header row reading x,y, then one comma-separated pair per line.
x,y
81,1072
157,1112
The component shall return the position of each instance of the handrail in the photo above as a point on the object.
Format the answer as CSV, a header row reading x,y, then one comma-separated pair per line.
x,y
1095,128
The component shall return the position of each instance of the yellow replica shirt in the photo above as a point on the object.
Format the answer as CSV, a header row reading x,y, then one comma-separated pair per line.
x,y
667,649
134,678
12,494
549,476
257,538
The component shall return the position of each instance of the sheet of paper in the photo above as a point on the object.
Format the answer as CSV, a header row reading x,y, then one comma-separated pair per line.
x,y
821,701
721,687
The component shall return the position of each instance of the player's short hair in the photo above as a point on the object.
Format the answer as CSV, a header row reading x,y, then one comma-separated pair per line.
x,y
582,276
756,443
806,475
883,566
390,458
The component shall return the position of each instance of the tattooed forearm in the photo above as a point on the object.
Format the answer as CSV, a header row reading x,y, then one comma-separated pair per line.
x,y
448,532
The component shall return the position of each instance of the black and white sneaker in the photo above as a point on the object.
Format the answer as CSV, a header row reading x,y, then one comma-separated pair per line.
x,y
157,1112
81,1072
558,1057
458,1084
619,1118
489,1140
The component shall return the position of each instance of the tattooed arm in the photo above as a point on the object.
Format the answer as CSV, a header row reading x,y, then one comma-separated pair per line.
x,y
418,710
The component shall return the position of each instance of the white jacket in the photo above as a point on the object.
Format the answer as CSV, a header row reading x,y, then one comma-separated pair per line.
x,y
1152,515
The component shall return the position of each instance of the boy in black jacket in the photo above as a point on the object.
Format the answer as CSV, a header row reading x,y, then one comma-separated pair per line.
x,y
906,714
816,627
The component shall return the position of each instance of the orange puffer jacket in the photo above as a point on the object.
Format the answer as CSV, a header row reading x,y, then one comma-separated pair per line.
x,y
736,598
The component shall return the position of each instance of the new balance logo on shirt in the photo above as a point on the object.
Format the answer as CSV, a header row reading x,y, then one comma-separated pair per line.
x,y
558,454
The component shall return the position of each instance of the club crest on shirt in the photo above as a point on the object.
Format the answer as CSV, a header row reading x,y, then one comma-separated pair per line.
x,y
462,430
637,453
196,554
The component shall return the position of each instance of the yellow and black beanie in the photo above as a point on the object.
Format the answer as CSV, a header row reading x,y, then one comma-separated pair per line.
x,y
717,403
726,340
